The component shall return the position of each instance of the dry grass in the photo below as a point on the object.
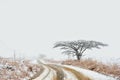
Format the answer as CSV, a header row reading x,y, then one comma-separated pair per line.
x,y
110,70
17,70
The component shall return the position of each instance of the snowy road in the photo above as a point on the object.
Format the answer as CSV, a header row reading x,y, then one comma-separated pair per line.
x,y
64,72
57,72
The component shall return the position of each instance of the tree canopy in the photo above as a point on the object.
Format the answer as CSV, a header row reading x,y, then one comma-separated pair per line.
x,y
78,47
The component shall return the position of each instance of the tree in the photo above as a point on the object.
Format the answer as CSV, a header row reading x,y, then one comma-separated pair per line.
x,y
77,48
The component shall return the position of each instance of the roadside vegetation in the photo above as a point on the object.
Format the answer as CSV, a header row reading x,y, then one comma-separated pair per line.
x,y
94,65
17,69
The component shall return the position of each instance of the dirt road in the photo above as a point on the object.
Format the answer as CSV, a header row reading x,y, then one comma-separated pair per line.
x,y
57,72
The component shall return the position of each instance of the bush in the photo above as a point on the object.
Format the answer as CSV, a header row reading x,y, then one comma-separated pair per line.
x,y
17,70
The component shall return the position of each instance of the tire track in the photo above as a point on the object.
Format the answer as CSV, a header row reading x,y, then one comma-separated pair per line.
x,y
69,75
61,75
38,73
44,74
59,72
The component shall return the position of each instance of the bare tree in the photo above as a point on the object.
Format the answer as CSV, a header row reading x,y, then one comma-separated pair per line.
x,y
77,48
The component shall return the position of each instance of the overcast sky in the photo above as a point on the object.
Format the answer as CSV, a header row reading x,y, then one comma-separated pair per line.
x,y
31,27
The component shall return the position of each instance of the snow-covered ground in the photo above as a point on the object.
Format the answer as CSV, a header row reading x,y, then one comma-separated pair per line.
x,y
91,74
70,76
21,70
46,75
17,69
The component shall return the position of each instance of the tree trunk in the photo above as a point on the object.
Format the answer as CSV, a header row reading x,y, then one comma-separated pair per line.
x,y
78,57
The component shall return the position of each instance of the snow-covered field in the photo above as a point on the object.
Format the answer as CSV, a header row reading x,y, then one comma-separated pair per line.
x,y
17,69
25,69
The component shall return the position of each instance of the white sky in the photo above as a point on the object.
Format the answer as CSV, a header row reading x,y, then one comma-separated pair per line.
x,y
31,27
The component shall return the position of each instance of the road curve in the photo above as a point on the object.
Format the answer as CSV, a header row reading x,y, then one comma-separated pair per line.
x,y
57,72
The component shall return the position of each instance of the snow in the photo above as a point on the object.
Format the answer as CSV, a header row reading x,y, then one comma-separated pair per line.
x,y
69,76
91,74
17,70
34,61
1,66
47,74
